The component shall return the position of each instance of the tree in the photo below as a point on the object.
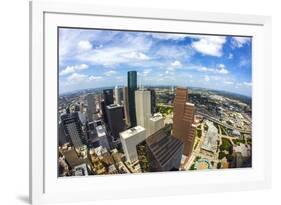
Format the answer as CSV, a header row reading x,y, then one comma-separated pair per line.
x,y
218,165
192,167
229,158
221,155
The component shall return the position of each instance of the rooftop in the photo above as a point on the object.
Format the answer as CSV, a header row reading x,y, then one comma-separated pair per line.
x,y
156,117
163,146
100,131
132,131
112,106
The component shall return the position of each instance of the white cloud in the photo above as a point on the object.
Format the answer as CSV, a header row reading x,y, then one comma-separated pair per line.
x,y
128,50
247,84
167,36
207,78
239,42
95,77
84,45
135,55
146,72
229,82
174,52
76,78
220,70
110,73
176,64
230,56
209,45
244,62
205,69
71,69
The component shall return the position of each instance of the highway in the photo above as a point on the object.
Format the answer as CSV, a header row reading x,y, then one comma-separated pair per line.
x,y
222,124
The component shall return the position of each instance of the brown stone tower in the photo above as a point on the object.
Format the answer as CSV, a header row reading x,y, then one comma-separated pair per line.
x,y
183,127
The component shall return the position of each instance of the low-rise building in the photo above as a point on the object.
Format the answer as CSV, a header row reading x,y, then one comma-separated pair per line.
x,y
211,138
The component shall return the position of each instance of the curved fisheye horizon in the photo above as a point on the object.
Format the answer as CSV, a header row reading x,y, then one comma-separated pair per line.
x,y
101,58
138,102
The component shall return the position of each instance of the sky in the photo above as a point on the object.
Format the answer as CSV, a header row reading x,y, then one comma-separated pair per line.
x,y
90,58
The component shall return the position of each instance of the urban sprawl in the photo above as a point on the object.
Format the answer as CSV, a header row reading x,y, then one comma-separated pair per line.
x,y
136,129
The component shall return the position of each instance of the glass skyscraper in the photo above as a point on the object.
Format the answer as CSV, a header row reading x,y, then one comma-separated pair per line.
x,y
132,87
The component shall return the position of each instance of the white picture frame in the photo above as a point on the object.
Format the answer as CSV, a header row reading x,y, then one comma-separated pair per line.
x,y
45,187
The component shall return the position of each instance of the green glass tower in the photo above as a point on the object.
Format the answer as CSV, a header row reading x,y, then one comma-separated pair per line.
x,y
132,87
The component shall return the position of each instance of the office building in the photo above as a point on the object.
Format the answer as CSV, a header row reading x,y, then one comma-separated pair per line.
x,y
210,142
108,96
132,87
72,158
102,136
63,138
129,139
82,117
92,140
81,107
126,106
143,107
80,170
103,109
183,119
160,152
91,109
156,122
116,123
153,100
118,95
73,130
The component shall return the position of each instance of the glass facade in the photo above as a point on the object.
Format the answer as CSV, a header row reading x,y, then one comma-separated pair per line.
x,y
132,87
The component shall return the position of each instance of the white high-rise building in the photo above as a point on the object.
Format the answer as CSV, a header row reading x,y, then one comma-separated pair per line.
x,y
143,107
91,109
118,95
129,139
156,122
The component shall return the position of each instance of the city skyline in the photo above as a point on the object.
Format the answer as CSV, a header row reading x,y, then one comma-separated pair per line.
x,y
139,110
91,58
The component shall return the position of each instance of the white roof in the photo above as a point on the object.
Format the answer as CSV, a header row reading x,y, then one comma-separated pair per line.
x,y
100,131
132,131
156,117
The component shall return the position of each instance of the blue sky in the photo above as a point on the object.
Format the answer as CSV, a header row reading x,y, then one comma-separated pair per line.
x,y
91,58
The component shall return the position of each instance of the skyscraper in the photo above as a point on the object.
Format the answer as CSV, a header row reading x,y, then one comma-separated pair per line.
x,y
103,109
108,96
156,122
183,128
132,87
160,152
91,109
103,140
143,107
115,119
129,139
73,130
118,95
153,100
126,106
62,137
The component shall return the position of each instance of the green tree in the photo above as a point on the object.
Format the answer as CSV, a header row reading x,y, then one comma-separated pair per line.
x,y
221,155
